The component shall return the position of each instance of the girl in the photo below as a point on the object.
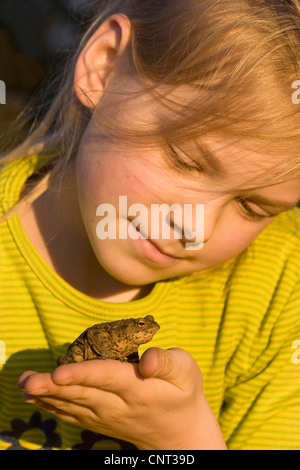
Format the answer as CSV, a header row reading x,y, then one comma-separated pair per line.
x,y
165,102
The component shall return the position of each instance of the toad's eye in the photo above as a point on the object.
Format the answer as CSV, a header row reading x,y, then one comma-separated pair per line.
x,y
141,323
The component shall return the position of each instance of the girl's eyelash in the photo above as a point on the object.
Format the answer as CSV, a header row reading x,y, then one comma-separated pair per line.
x,y
250,213
181,163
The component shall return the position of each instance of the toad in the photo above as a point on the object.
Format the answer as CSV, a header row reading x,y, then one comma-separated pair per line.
x,y
114,340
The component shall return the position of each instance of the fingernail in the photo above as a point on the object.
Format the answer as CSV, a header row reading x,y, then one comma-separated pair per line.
x,y
29,398
22,380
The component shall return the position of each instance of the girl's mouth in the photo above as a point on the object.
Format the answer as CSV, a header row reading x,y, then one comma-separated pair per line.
x,y
151,250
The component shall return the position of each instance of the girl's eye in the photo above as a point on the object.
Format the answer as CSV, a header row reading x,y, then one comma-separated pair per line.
x,y
250,213
187,165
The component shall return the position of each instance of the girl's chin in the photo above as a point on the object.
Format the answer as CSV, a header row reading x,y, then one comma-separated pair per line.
x,y
132,272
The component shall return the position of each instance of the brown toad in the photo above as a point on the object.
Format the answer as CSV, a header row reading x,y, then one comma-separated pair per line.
x,y
115,340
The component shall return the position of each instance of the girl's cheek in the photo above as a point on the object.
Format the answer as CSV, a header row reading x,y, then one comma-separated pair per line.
x,y
233,233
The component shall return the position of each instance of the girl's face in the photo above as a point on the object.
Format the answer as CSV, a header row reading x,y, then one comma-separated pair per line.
x,y
108,169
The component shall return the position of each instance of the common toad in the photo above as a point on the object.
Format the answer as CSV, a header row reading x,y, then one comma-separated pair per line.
x,y
114,340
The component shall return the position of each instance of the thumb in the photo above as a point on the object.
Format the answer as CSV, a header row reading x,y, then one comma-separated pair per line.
x,y
173,365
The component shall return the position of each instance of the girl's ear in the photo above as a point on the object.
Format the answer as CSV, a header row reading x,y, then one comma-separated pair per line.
x,y
98,59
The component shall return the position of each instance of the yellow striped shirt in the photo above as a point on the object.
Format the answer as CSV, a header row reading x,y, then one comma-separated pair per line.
x,y
240,321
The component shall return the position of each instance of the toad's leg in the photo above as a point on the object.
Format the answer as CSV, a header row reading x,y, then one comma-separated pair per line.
x,y
75,353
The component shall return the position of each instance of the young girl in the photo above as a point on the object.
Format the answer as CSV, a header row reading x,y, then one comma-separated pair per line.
x,y
165,102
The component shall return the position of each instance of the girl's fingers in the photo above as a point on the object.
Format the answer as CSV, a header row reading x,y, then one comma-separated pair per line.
x,y
175,366
75,398
55,407
57,402
23,377
109,375
98,417
77,381
43,387
38,383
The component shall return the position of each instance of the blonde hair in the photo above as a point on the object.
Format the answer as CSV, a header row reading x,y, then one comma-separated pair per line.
x,y
239,56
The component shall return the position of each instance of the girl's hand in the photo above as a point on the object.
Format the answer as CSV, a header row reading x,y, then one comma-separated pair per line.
x,y
156,404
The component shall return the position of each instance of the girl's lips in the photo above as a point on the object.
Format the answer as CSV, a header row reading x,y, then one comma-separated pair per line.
x,y
151,251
